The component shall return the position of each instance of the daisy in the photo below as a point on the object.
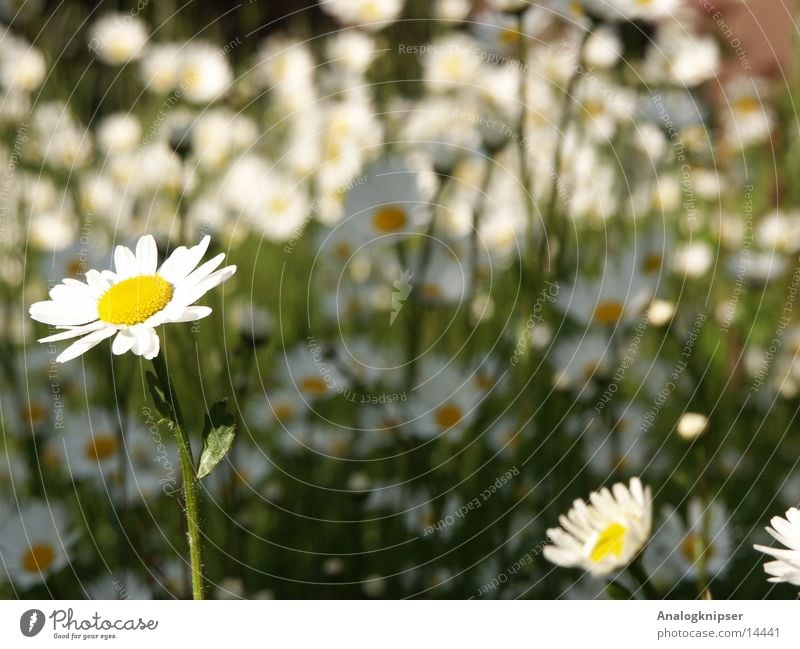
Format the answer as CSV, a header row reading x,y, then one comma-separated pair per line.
x,y
131,302
786,567
390,203
680,544
118,132
118,38
369,14
606,534
617,297
205,73
35,544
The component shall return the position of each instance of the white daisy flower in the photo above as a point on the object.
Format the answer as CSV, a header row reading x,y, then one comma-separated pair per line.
x,y
389,203
118,132
35,543
131,302
606,534
632,9
22,66
160,67
786,567
681,543
578,358
204,74
747,119
445,401
617,297
369,14
89,447
118,38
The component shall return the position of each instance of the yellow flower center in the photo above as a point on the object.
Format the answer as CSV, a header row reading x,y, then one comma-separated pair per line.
x,y
313,385
611,542
608,312
39,557
100,447
134,300
509,37
747,104
389,219
283,411
34,413
431,291
652,263
448,416
692,548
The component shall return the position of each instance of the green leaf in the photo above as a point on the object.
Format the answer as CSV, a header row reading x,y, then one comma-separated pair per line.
x,y
159,398
218,434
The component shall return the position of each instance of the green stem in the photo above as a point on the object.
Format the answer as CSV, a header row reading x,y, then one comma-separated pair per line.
x,y
191,484
636,569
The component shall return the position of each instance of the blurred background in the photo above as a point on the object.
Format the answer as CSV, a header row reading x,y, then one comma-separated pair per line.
x,y
493,256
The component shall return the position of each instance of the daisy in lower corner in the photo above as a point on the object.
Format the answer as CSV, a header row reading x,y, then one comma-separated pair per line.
x,y
607,533
786,567
132,301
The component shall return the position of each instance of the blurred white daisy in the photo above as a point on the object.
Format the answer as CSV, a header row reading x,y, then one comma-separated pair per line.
x,y
679,545
131,302
160,67
786,567
22,66
370,14
118,38
118,132
89,447
618,296
204,72
606,534
389,203
35,543
632,9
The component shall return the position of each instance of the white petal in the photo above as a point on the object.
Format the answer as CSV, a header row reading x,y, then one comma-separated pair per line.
x,y
85,344
125,262
98,282
147,255
203,271
190,314
74,332
191,295
57,313
73,297
123,343
183,261
147,343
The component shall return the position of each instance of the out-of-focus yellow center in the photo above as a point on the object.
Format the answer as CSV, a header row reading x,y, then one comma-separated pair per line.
x,y
370,12
34,413
448,416
652,263
431,291
100,447
134,300
747,104
609,312
389,218
283,411
313,385
611,542
509,37
39,557
692,548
